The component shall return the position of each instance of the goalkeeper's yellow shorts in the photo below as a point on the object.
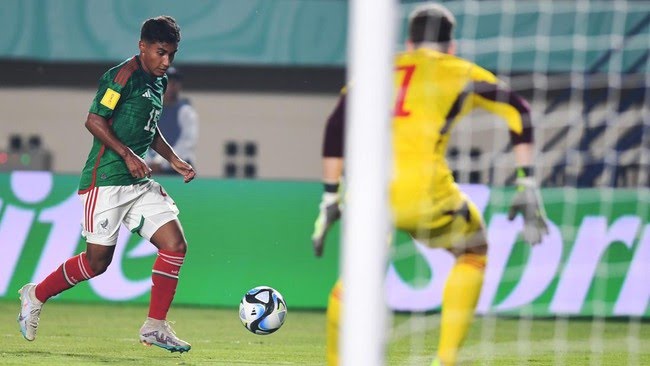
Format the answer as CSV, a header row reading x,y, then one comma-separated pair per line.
x,y
452,221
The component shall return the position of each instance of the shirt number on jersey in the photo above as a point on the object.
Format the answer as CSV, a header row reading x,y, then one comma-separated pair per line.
x,y
154,115
407,73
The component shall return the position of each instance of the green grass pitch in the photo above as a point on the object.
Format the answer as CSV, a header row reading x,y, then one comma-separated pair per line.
x,y
93,334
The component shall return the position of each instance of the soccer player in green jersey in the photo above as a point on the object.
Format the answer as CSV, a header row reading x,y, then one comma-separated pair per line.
x,y
116,186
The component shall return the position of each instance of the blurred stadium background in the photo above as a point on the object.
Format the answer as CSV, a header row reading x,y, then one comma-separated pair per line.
x,y
263,76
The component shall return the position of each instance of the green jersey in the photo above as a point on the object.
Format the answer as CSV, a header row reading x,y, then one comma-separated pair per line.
x,y
130,100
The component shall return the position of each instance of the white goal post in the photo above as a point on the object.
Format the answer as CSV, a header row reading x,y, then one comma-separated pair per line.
x,y
372,32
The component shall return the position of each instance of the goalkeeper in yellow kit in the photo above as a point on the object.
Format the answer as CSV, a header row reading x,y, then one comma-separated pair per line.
x,y
433,91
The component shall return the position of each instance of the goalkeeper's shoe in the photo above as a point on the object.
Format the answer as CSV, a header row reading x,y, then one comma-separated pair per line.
x,y
160,333
30,311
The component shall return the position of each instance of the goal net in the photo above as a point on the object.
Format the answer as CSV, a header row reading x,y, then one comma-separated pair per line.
x,y
582,296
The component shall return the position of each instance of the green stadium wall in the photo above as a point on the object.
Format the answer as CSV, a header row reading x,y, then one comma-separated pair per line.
x,y
245,233
547,36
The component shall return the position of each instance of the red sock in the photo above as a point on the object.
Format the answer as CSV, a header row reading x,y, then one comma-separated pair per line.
x,y
164,278
73,271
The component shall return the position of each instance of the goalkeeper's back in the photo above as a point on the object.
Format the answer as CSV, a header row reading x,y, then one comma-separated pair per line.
x,y
428,84
434,90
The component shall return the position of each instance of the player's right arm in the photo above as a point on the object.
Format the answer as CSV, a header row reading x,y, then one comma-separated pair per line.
x,y
99,127
101,111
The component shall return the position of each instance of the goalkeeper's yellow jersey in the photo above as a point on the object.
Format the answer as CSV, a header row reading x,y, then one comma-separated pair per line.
x,y
433,91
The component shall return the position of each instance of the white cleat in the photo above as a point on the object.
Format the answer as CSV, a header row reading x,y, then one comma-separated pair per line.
x,y
30,311
160,333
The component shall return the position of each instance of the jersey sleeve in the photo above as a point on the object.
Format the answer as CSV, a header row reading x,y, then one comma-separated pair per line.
x,y
494,96
108,97
334,130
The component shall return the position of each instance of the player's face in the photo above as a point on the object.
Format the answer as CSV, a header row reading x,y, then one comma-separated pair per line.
x,y
156,57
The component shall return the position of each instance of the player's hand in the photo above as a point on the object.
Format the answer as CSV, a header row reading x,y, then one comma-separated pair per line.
x,y
136,165
329,211
183,168
528,202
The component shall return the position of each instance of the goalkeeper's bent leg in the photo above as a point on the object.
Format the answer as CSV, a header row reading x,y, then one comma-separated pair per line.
x,y
458,303
332,329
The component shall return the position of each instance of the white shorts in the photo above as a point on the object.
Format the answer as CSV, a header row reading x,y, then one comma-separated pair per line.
x,y
143,208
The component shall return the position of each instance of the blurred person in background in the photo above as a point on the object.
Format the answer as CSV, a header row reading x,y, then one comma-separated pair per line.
x,y
116,186
179,124
434,90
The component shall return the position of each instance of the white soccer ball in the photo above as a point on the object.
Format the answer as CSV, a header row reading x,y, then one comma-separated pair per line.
x,y
262,310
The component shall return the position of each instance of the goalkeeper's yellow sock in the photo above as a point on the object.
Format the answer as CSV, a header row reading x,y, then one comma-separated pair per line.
x,y
458,303
333,316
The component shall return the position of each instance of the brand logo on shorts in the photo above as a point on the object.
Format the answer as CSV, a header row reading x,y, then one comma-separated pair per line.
x,y
103,227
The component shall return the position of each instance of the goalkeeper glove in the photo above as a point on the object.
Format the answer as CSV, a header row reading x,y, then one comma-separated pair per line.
x,y
528,202
329,211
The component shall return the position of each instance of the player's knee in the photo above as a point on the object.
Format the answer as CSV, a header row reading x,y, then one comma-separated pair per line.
x,y
176,246
99,258
181,247
474,244
99,265
480,249
478,244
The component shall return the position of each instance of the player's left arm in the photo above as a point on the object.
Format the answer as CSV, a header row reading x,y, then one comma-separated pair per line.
x,y
162,147
497,98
